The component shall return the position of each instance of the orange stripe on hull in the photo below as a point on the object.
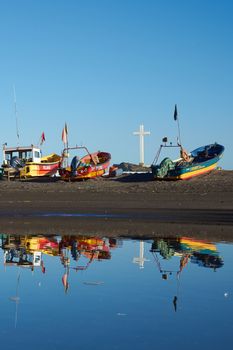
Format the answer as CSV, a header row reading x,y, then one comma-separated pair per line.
x,y
195,173
36,170
92,174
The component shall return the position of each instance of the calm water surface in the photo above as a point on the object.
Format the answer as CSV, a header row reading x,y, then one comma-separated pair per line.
x,y
76,292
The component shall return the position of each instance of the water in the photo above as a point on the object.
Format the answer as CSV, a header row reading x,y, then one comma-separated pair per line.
x,y
76,292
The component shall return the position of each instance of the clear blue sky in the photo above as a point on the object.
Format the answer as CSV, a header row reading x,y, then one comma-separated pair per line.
x,y
106,66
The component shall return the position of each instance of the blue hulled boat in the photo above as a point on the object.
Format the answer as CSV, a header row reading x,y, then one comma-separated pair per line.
x,y
200,161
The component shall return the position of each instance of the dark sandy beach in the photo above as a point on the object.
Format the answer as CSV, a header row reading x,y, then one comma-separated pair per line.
x,y
132,205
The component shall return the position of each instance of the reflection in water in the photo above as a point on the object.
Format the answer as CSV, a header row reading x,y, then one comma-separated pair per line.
x,y
199,252
113,294
140,259
27,251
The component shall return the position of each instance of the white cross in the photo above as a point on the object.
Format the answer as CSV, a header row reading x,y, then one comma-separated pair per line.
x,y
141,134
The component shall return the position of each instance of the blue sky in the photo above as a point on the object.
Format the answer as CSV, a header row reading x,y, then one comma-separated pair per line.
x,y
106,66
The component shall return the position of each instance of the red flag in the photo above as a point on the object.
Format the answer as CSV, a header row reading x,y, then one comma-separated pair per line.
x,y
42,138
65,282
64,135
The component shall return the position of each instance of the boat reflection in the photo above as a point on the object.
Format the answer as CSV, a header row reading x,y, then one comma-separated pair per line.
x,y
200,252
27,251
77,252
73,280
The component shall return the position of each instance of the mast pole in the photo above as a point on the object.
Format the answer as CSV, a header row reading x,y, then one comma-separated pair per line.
x,y
178,124
16,114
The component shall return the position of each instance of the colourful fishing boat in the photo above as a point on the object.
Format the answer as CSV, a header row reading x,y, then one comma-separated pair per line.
x,y
90,166
200,161
27,162
47,166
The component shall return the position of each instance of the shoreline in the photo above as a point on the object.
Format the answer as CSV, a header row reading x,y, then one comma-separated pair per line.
x,y
113,229
129,206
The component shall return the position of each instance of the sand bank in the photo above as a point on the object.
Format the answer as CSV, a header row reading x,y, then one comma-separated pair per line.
x,y
132,205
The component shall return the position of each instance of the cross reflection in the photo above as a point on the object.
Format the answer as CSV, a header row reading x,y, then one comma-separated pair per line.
x,y
140,260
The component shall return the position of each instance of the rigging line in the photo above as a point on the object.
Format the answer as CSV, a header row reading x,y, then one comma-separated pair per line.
x,y
157,155
17,298
179,135
157,261
179,131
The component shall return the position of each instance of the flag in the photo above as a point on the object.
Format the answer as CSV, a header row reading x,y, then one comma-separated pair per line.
x,y
64,135
65,282
66,128
42,138
175,113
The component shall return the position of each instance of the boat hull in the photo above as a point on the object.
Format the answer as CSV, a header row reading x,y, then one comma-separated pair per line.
x,y
45,168
192,171
87,168
203,160
39,170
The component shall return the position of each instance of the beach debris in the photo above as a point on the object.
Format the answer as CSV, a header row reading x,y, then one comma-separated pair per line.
x,y
115,171
15,299
93,283
121,314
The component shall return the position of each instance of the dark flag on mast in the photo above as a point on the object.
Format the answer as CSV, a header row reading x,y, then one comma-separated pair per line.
x,y
175,113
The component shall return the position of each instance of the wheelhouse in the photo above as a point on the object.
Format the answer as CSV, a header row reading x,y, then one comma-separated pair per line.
x,y
24,154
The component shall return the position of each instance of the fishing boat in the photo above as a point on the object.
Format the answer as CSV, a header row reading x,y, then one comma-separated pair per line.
x,y
27,162
92,165
200,161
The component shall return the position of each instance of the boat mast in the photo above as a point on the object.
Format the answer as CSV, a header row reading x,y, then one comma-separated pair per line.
x,y
178,124
16,115
65,142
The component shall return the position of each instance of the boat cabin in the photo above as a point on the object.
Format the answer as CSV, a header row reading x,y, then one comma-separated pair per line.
x,y
21,154
20,257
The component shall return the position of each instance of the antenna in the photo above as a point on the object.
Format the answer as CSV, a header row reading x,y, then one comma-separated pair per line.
x,y
16,114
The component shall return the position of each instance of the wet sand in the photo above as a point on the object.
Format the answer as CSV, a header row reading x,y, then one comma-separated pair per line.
x,y
132,205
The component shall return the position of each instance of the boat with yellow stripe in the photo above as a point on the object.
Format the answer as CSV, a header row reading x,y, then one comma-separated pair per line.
x,y
200,161
91,165
45,166
27,162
